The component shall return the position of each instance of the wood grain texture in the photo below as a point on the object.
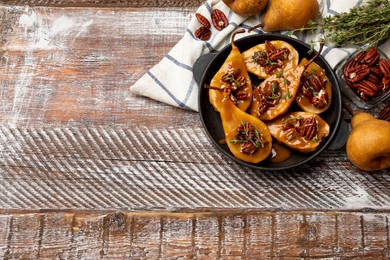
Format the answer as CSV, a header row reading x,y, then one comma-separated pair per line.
x,y
138,168
90,171
106,3
119,235
75,65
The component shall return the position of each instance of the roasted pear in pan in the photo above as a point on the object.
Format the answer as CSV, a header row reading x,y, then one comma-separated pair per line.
x,y
274,96
247,137
315,91
269,58
300,131
233,78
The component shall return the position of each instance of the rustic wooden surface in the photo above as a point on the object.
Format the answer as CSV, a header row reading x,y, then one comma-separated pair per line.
x,y
89,170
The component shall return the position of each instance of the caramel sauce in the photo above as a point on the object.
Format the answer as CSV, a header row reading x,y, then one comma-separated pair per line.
x,y
222,141
299,143
279,153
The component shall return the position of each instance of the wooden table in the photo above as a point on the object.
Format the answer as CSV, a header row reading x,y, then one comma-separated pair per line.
x,y
89,170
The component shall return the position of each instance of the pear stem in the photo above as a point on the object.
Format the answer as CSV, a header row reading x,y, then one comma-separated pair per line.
x,y
234,35
212,87
315,56
255,27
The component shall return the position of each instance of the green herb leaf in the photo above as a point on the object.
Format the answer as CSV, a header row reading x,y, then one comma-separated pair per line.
x,y
366,25
286,95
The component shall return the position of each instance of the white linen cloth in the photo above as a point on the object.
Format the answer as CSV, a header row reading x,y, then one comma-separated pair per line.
x,y
171,80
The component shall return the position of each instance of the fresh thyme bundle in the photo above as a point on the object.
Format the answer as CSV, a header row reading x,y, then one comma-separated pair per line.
x,y
367,25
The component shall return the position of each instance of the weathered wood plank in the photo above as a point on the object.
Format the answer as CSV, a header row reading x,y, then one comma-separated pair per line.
x,y
260,236
75,65
88,236
57,235
146,237
5,234
376,236
207,245
177,238
233,236
143,235
140,168
117,235
320,234
106,3
25,238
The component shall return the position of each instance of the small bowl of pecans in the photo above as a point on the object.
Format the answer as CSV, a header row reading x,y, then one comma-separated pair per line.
x,y
365,77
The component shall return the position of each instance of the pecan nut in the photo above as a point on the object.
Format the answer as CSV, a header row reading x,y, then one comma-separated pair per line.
x,y
384,114
309,128
203,20
203,33
384,66
372,77
278,54
219,19
367,74
241,95
320,101
372,56
269,47
367,88
360,57
359,73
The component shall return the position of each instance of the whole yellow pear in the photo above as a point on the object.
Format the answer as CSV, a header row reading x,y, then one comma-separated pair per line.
x,y
289,14
368,145
246,7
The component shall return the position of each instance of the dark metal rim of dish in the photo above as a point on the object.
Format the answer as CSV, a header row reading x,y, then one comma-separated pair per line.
x,y
214,64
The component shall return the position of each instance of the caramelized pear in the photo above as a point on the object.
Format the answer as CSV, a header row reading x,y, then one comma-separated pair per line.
x,y
247,137
274,96
315,92
233,78
269,58
300,131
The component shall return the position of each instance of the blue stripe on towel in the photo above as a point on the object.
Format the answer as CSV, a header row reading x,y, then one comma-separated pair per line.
x,y
190,88
359,3
158,82
184,66
327,4
178,63
330,11
208,7
206,43
326,51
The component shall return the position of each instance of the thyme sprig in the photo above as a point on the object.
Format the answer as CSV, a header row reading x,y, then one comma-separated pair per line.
x,y
366,25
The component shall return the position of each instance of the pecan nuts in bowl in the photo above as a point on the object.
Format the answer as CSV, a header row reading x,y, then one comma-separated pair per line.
x,y
365,77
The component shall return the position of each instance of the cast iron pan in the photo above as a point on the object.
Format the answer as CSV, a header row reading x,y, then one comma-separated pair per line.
x,y
207,66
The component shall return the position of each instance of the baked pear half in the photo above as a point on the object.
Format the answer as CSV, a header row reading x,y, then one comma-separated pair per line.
x,y
301,131
315,91
269,58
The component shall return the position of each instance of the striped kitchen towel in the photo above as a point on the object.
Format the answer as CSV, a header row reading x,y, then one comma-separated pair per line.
x,y
171,80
